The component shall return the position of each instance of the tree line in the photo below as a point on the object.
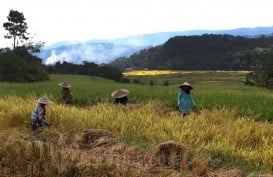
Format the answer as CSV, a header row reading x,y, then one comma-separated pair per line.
x,y
19,64
87,68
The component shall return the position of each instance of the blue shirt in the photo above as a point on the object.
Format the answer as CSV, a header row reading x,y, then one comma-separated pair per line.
x,y
185,101
38,113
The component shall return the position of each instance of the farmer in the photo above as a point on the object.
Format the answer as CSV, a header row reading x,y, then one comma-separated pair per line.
x,y
185,101
120,96
37,119
66,93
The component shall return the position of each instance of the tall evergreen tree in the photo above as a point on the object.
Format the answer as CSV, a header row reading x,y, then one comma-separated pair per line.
x,y
16,27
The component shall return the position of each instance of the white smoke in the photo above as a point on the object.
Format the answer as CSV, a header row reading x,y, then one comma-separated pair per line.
x,y
97,53
53,58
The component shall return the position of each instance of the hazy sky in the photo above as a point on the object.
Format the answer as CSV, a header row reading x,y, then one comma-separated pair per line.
x,y
73,20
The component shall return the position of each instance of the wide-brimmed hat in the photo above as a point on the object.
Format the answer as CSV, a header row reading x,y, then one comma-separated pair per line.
x,y
44,100
120,93
65,85
186,84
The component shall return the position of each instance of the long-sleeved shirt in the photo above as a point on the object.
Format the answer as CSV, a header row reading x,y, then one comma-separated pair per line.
x,y
67,96
38,113
185,101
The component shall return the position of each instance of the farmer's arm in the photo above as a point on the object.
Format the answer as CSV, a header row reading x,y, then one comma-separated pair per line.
x,y
178,98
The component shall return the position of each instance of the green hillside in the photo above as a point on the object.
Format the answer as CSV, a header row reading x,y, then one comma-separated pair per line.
x,y
206,52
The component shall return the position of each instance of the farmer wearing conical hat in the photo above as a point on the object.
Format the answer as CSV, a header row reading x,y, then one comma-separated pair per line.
x,y
66,93
120,96
185,100
37,119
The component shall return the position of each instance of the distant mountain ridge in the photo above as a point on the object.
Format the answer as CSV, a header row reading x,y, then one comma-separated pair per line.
x,y
105,51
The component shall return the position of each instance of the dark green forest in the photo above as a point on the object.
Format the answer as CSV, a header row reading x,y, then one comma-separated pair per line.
x,y
87,68
206,52
19,65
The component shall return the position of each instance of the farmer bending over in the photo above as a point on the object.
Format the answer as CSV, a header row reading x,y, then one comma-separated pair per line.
x,y
120,96
37,119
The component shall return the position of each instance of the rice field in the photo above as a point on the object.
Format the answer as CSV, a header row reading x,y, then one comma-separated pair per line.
x,y
173,72
218,91
233,124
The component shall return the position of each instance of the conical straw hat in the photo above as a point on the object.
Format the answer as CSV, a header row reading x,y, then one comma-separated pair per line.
x,y
44,100
65,85
120,93
186,84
